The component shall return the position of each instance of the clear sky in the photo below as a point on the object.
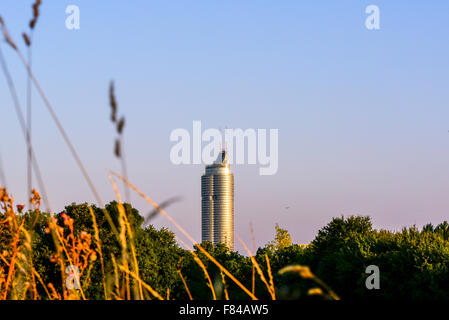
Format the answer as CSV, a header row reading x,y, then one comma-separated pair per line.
x,y
363,115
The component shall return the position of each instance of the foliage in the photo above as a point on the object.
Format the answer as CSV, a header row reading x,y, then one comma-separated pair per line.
x,y
281,240
413,264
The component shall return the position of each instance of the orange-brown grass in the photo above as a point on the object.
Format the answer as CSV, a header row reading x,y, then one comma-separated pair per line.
x,y
253,275
225,287
18,280
183,280
259,270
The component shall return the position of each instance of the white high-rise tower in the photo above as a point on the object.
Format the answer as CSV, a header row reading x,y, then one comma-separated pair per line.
x,y
217,203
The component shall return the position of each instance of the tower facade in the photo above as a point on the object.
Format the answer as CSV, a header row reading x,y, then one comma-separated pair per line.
x,y
217,203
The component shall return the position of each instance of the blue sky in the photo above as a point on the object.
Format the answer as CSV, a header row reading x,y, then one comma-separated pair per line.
x,y
362,115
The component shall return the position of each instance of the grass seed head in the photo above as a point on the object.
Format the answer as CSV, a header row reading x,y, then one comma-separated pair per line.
x,y
26,39
112,102
35,13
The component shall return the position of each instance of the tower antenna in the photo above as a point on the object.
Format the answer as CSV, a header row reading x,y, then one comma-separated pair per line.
x,y
226,141
221,139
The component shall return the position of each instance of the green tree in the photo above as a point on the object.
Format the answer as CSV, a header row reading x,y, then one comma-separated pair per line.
x,y
443,230
281,240
428,228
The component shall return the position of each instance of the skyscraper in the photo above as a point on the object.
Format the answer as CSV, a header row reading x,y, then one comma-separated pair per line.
x,y
217,203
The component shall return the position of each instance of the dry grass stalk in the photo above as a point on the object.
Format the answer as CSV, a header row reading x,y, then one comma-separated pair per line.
x,y
118,148
100,253
23,126
259,270
183,280
54,294
145,285
225,287
11,225
126,229
206,274
116,294
315,292
270,274
6,34
28,41
76,249
253,275
42,284
203,267
19,281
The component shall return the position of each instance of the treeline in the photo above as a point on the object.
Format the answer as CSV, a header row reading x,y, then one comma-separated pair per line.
x,y
413,264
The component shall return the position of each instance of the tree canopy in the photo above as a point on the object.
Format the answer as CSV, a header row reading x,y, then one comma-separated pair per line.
x,y
413,264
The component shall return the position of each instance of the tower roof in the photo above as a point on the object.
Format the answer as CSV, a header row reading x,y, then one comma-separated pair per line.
x,y
220,165
222,158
